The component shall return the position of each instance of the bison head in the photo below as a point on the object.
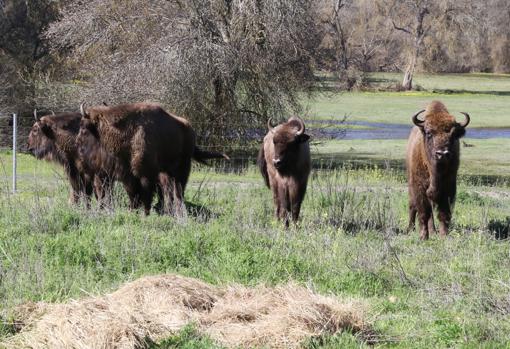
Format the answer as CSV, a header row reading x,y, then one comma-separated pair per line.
x,y
441,134
41,139
87,140
287,139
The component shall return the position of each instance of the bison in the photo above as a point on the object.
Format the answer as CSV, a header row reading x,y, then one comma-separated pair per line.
x,y
433,157
97,160
148,147
284,161
53,138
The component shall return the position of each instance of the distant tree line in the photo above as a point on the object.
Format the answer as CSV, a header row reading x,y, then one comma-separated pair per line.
x,y
228,65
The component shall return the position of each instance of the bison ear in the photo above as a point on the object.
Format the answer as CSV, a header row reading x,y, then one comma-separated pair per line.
x,y
303,138
459,131
47,130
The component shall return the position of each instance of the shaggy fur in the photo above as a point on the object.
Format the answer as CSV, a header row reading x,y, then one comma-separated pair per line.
x,y
433,157
149,147
285,164
53,138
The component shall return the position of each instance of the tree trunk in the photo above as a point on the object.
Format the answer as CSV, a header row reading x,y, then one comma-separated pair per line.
x,y
419,33
407,83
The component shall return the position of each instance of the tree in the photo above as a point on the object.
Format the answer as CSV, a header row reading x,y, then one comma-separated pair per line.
x,y
415,13
228,65
22,50
418,20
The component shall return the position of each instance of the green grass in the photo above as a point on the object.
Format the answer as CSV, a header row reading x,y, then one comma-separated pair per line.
x,y
470,93
485,158
440,293
443,293
453,83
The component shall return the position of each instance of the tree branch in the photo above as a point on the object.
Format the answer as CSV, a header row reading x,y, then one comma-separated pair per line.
x,y
400,28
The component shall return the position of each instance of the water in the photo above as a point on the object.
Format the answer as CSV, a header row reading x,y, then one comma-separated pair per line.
x,y
378,130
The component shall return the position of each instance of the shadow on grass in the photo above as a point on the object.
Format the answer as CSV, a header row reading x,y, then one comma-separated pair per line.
x,y
500,228
200,211
451,92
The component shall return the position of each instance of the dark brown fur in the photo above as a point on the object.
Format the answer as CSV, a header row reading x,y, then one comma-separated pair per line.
x,y
97,160
285,164
53,138
433,157
149,147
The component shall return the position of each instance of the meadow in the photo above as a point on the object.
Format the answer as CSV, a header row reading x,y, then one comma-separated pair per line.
x,y
351,241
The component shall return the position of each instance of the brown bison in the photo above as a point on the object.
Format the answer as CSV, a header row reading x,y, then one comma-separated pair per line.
x,y
433,156
97,160
284,160
147,147
53,138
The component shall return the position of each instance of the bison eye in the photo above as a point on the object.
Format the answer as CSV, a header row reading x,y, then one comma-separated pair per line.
x,y
428,135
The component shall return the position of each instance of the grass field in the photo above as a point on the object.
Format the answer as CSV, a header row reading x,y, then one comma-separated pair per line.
x,y
442,293
485,97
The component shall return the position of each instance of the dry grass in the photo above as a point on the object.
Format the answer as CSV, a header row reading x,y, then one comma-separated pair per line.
x,y
153,308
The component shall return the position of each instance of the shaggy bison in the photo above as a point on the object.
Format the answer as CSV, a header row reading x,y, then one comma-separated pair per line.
x,y
284,160
97,160
432,162
146,147
53,138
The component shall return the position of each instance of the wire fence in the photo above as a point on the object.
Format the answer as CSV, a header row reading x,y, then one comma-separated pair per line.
x,y
12,125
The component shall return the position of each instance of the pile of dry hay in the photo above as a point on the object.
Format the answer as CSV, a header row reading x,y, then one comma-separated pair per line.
x,y
152,308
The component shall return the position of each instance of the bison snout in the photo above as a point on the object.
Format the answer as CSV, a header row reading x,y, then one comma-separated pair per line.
x,y
277,163
443,154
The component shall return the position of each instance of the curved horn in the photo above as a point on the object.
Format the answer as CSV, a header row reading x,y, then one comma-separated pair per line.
x,y
301,126
35,114
82,109
52,112
417,121
270,125
466,120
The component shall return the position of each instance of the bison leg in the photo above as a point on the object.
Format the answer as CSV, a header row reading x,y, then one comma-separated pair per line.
x,y
285,207
133,189
276,199
296,198
445,216
424,214
74,180
412,218
431,225
89,189
179,208
160,206
103,189
147,194
165,191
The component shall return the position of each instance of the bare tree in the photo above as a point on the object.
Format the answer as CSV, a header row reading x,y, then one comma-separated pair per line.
x,y
225,64
413,14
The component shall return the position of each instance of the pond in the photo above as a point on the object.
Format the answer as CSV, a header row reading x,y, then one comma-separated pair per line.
x,y
377,130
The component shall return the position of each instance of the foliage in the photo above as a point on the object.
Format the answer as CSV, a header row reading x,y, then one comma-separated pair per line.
x,y
225,65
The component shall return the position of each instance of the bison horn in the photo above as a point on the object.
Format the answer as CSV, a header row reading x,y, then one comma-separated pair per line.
x,y
82,109
270,125
417,121
52,112
35,114
301,126
466,121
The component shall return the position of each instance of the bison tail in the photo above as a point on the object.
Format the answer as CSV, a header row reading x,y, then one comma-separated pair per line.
x,y
202,155
261,162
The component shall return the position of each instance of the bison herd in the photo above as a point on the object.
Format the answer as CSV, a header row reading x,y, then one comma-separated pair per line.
x,y
150,152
